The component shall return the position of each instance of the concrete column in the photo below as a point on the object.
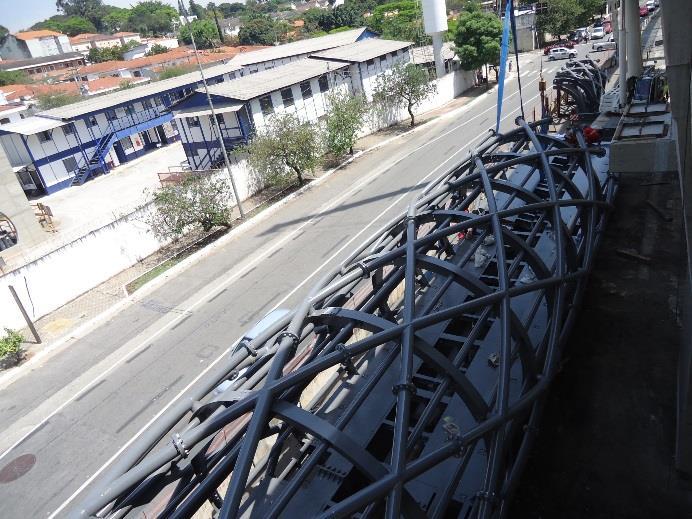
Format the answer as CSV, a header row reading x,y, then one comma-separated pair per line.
x,y
437,42
620,37
677,38
634,38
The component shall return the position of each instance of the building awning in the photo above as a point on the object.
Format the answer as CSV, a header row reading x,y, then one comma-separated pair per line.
x,y
196,111
31,125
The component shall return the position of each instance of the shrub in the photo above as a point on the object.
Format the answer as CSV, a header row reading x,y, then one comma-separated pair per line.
x,y
11,346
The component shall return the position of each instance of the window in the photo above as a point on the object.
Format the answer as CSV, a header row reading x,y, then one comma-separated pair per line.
x,y
232,75
287,96
68,129
383,59
370,62
70,164
193,122
111,115
130,110
4,120
266,105
324,84
146,104
220,119
137,73
158,101
92,121
45,136
84,78
305,89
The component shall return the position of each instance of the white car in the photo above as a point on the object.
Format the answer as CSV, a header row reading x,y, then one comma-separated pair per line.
x,y
604,45
651,5
597,33
561,53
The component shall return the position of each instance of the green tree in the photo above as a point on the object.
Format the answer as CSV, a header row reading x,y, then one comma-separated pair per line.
x,y
478,37
345,117
110,53
151,18
92,10
115,19
258,31
204,31
70,25
198,202
197,10
14,77
230,10
285,147
401,20
211,8
340,16
156,49
404,86
175,71
56,99
4,32
559,16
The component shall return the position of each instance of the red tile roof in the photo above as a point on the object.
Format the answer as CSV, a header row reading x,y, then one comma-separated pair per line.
x,y
30,35
15,92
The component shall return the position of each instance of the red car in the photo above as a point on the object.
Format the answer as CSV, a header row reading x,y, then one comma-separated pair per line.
x,y
643,11
608,27
567,43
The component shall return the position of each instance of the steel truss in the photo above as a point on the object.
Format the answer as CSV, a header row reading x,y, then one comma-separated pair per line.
x,y
411,380
579,85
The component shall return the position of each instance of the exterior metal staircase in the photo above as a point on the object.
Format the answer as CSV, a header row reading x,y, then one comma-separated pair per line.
x,y
96,159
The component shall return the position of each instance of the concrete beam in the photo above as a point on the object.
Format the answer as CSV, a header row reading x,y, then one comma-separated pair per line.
x,y
634,38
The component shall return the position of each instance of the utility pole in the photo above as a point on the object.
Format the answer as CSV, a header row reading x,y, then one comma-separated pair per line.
x,y
622,54
215,123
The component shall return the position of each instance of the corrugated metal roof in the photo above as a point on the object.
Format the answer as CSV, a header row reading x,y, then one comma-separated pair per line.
x,y
297,48
31,125
422,55
255,85
124,96
196,111
364,50
44,60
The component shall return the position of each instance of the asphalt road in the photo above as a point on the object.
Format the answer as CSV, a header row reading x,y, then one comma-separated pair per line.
x,y
64,421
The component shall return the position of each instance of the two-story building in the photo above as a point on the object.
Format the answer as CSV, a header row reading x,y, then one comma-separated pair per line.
x,y
67,145
34,44
45,66
367,59
244,106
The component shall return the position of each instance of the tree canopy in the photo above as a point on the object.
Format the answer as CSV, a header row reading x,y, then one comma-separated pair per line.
x,y
477,38
284,148
261,30
401,20
404,85
14,77
560,16
70,25
204,31
345,117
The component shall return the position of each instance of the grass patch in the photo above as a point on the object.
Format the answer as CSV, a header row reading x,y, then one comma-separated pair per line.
x,y
159,269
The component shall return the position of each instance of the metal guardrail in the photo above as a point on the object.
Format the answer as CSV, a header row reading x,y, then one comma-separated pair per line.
x,y
411,379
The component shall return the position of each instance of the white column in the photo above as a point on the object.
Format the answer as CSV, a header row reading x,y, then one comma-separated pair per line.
x,y
622,51
634,39
437,40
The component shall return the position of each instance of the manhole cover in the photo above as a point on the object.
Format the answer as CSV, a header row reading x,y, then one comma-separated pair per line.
x,y
16,468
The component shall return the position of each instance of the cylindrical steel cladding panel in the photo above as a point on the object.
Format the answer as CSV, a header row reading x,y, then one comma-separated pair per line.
x,y
434,16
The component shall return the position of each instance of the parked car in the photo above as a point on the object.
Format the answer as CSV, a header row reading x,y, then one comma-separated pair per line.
x,y
650,5
561,53
567,44
643,11
604,45
597,33
579,35
608,26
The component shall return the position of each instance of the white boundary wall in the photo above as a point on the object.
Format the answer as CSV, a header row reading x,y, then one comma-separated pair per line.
x,y
56,278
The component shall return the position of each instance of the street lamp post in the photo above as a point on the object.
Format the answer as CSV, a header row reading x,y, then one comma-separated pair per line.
x,y
215,123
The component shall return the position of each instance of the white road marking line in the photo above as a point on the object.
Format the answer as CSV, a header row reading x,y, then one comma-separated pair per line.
x,y
208,368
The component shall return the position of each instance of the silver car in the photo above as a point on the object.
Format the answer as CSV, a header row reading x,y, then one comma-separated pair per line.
x,y
561,53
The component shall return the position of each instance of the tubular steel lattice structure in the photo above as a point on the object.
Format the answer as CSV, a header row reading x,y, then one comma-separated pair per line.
x,y
579,86
411,380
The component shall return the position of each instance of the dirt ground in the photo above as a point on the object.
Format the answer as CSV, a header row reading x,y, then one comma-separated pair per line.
x,y
606,444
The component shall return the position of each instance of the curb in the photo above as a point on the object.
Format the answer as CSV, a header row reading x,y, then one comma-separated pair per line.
x,y
12,374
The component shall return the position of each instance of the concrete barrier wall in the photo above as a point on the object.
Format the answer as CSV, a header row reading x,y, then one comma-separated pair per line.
x,y
52,280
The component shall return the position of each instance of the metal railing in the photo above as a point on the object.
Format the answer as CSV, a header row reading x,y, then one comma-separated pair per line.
x,y
411,379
